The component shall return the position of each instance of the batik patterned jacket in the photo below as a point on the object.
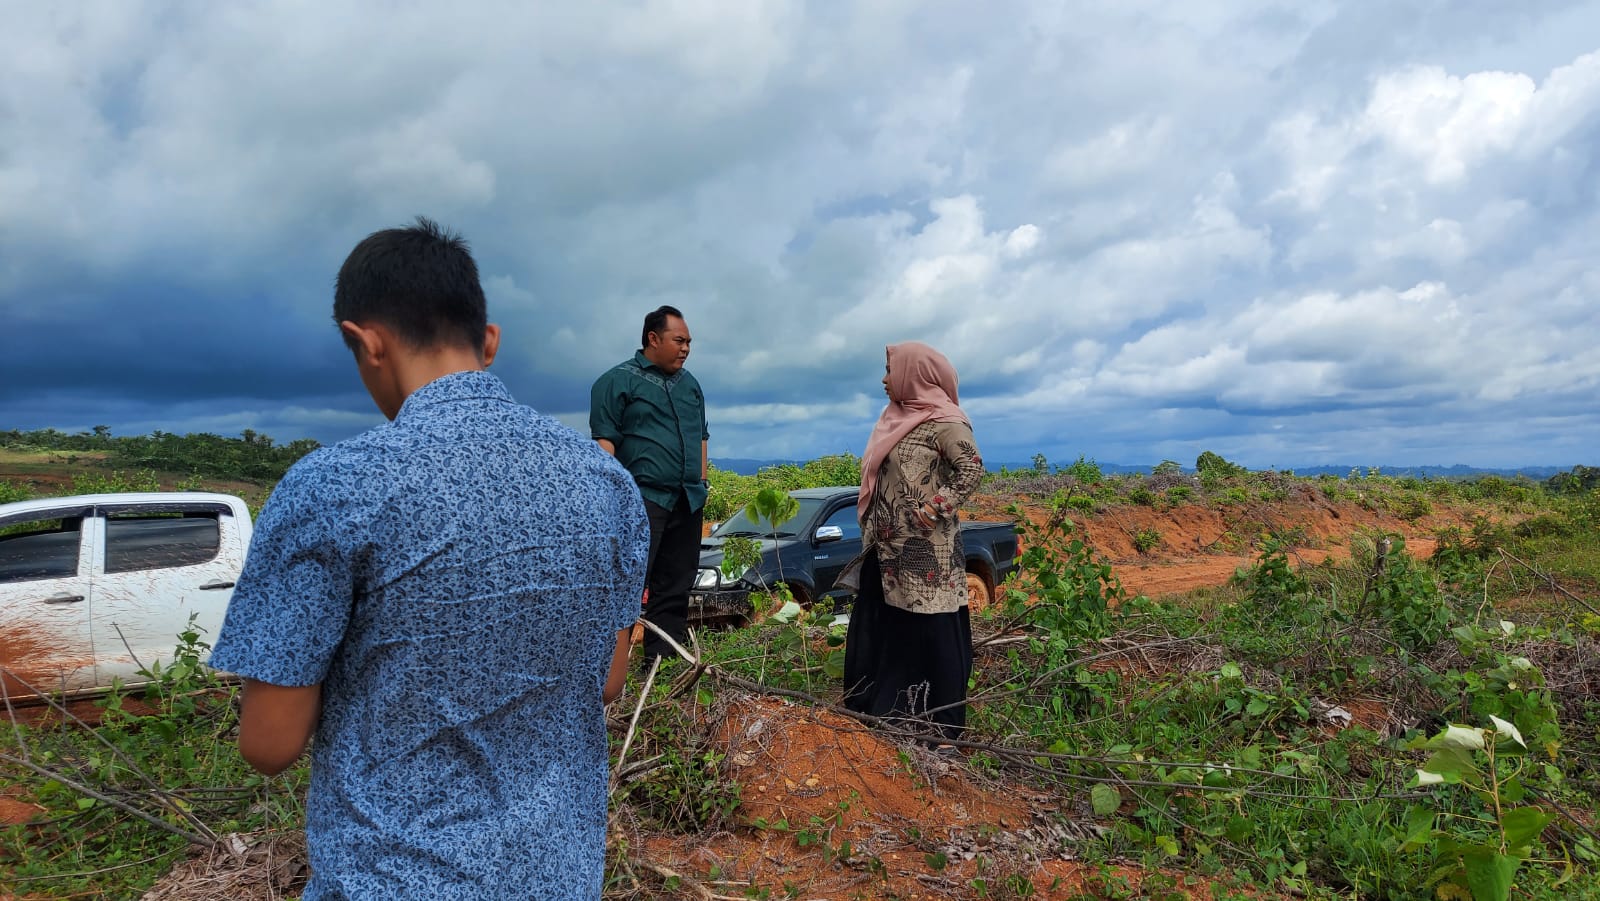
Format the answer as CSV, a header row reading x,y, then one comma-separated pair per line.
x,y
924,570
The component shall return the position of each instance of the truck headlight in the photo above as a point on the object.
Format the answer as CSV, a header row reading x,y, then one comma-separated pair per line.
x,y
707,579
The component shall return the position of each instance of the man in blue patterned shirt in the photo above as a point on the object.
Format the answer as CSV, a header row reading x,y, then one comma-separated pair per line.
x,y
445,601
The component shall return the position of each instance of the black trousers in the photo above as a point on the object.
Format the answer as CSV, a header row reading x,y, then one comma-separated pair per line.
x,y
674,561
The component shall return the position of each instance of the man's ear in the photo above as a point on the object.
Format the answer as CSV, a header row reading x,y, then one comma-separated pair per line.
x,y
366,342
491,343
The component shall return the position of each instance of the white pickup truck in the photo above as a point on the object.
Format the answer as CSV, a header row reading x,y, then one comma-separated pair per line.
x,y
97,587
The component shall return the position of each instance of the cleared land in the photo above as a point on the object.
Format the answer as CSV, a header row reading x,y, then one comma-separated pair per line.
x,y
1224,713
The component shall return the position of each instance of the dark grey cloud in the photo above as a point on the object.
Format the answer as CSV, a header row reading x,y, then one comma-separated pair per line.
x,y
1292,234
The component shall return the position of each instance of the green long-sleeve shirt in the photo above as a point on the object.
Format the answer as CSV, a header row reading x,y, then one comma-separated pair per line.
x,y
657,423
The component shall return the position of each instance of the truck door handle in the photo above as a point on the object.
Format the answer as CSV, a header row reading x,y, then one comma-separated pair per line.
x,y
63,598
215,586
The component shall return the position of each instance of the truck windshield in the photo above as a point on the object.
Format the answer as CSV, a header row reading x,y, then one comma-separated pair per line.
x,y
741,524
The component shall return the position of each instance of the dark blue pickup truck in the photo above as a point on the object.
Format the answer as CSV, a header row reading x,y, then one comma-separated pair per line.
x,y
809,551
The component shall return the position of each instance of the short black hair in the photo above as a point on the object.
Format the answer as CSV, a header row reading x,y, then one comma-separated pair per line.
x,y
420,281
655,321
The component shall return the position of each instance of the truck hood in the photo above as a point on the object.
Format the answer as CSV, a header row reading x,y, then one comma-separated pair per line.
x,y
711,549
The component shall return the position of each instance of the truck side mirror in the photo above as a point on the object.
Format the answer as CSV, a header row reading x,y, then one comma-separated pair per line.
x,y
826,534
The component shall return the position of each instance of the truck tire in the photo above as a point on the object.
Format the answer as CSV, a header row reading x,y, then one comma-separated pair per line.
x,y
802,596
979,595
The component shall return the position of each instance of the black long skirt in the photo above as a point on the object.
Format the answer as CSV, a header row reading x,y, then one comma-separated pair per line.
x,y
908,666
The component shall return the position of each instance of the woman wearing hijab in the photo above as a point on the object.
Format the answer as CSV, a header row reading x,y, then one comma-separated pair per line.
x,y
909,648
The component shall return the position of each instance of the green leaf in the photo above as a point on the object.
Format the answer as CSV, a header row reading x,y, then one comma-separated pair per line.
x,y
1419,828
787,613
833,665
1511,791
1231,671
1450,764
1167,844
1459,738
1489,874
1105,799
85,803
1257,707
1523,824
1507,729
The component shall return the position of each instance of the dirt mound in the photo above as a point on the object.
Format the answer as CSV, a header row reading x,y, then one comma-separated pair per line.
x,y
830,809
797,762
1196,546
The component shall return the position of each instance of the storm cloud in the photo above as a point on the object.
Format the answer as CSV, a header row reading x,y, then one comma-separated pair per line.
x,y
1292,234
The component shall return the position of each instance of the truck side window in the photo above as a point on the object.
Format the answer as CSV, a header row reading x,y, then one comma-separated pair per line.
x,y
845,519
153,541
42,549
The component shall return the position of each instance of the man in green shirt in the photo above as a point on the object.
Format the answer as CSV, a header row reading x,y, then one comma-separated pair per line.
x,y
650,414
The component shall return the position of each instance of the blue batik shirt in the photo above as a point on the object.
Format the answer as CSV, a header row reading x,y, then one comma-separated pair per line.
x,y
455,580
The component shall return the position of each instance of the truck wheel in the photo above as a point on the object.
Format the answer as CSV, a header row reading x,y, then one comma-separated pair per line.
x,y
802,596
979,594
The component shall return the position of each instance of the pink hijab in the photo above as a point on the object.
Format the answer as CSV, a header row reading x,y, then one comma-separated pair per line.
x,y
923,385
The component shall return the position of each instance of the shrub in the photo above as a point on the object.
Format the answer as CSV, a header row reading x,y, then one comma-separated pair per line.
x,y
10,492
115,483
1212,464
1085,471
1579,480
1146,540
1412,507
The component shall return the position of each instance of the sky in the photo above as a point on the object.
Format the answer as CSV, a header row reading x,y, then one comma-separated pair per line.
x,y
1293,233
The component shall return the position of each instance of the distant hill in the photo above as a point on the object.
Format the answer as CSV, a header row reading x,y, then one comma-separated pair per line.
x,y
1457,471
746,466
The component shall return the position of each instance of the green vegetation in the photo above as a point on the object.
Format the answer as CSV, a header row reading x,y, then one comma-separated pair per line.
x,y
125,798
1220,483
730,491
1215,738
1146,540
251,456
1382,726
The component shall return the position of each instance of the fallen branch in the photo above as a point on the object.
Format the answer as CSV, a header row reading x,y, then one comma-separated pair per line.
x,y
191,837
155,789
633,725
1548,578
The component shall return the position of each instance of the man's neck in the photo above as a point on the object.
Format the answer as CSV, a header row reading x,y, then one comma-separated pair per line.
x,y
419,369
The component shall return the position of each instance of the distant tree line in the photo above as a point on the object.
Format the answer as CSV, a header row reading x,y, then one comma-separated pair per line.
x,y
251,456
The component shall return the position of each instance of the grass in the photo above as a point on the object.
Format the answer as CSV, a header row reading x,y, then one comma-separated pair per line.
x,y
1207,732
1203,734
126,798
